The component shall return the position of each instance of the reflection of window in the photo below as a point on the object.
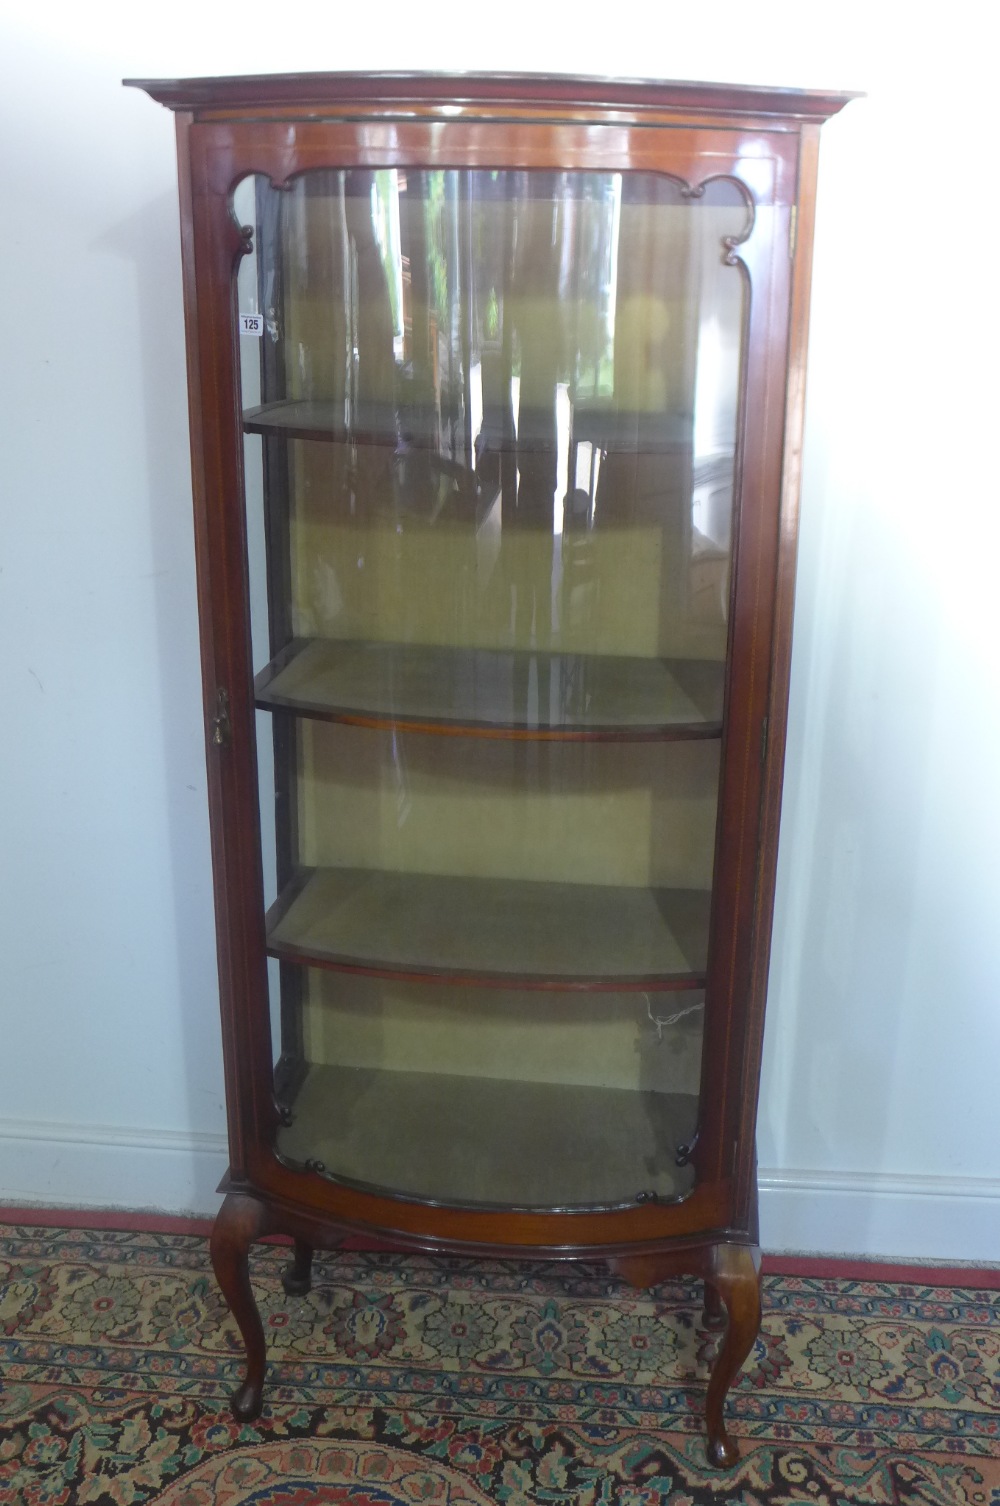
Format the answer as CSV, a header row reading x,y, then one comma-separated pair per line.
x,y
710,376
385,225
471,310
595,289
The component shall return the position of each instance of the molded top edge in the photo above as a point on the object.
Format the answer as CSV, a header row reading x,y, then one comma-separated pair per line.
x,y
317,92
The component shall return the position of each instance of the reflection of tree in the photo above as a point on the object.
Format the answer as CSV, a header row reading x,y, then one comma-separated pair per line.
x,y
596,208
493,235
385,219
438,238
373,354
535,331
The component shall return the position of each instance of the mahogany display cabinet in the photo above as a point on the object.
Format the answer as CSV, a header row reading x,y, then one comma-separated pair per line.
x,y
496,392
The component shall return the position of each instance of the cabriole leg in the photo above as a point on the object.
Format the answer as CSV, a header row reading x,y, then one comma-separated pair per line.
x,y
240,1221
735,1279
297,1275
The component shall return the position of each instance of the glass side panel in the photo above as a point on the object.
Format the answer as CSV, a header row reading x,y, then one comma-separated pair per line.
x,y
524,1099
490,444
499,858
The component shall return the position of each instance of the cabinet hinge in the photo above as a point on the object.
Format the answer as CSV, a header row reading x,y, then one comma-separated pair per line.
x,y
793,231
763,740
222,727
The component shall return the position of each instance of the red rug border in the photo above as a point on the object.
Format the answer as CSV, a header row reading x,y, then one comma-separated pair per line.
x,y
820,1267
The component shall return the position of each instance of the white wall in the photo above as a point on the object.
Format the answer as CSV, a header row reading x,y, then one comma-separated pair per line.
x,y
879,1125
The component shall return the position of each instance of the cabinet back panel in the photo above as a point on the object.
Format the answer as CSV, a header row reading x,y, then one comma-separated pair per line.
x,y
601,813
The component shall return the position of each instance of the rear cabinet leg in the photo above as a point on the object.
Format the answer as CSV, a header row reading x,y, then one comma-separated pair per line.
x,y
714,1314
297,1275
240,1221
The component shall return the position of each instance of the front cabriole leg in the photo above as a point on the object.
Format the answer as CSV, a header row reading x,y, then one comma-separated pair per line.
x,y
240,1221
735,1279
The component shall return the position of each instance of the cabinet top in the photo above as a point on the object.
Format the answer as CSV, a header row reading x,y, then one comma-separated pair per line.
x,y
421,93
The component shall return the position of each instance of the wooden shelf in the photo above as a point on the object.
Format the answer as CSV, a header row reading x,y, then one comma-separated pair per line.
x,y
493,693
490,1141
498,932
377,424
395,424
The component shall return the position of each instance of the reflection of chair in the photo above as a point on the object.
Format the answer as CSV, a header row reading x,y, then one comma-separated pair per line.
x,y
635,459
580,578
711,534
708,580
433,487
576,510
588,423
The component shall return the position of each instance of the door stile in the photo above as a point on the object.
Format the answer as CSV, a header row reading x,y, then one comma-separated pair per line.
x,y
213,244
735,1002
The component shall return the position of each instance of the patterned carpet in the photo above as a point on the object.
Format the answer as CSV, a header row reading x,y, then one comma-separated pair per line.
x,y
403,1380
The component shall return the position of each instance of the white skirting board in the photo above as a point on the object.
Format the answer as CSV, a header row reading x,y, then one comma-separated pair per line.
x,y
869,1214
104,1166
880,1215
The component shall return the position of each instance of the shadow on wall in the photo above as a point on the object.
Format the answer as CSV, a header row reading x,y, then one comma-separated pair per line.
x,y
881,973
149,242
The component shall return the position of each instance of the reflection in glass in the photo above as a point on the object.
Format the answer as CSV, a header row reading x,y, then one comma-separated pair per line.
x,y
490,437
506,404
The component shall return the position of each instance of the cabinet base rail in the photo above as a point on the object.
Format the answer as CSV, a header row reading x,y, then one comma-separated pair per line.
x,y
729,1269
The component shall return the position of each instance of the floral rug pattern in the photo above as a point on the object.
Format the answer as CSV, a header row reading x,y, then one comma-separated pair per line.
x,y
416,1379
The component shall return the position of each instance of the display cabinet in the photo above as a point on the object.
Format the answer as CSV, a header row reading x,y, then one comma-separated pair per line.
x,y
496,395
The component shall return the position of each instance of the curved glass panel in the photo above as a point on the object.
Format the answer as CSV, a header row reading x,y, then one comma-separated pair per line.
x,y
490,426
452,1097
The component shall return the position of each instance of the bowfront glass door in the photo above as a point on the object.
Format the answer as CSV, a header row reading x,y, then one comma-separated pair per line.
x,y
490,426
